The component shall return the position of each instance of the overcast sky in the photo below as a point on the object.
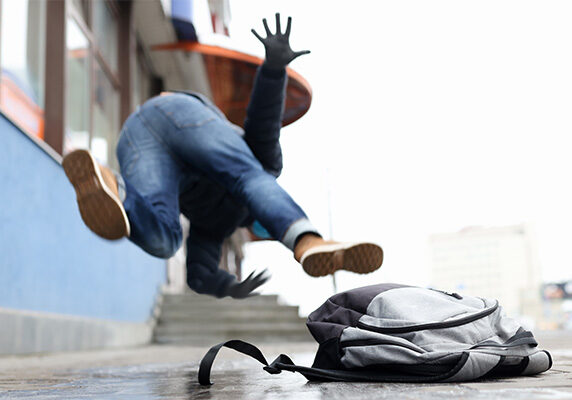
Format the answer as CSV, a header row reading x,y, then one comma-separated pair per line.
x,y
427,117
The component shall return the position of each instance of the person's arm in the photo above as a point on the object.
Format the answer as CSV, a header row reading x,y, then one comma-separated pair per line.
x,y
204,276
266,106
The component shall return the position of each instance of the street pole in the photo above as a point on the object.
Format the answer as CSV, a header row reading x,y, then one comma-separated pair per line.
x,y
330,219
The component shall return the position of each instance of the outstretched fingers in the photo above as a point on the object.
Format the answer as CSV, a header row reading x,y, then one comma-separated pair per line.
x,y
268,33
300,53
278,23
278,28
279,53
288,25
244,289
249,277
258,280
257,35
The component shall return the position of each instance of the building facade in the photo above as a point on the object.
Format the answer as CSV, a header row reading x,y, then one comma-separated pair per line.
x,y
71,72
496,262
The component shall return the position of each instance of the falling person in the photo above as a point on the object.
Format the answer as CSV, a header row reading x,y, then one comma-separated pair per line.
x,y
178,153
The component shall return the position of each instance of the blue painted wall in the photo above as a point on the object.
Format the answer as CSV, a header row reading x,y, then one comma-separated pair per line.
x,y
49,260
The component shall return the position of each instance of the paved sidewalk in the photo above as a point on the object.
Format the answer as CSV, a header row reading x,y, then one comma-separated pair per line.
x,y
165,372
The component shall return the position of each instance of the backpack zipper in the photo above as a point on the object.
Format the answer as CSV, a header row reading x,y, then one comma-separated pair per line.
x,y
430,325
377,342
455,295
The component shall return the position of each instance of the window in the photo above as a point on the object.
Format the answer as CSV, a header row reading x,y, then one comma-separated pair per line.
x,y
82,8
141,79
92,106
105,119
105,31
22,59
77,89
89,50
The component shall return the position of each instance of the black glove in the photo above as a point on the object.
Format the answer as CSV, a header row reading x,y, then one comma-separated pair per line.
x,y
278,51
241,290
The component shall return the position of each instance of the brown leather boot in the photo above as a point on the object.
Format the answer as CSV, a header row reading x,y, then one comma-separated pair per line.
x,y
320,257
97,195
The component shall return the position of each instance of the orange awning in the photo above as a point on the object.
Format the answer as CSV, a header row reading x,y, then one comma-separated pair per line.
x,y
231,76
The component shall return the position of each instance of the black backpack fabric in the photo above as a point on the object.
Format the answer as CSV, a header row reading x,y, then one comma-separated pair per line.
x,y
400,333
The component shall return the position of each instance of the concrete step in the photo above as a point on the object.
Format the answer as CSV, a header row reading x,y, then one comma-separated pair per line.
x,y
273,314
230,327
190,318
251,337
213,308
257,333
193,299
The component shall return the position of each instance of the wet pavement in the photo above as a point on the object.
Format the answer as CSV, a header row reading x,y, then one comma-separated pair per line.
x,y
167,372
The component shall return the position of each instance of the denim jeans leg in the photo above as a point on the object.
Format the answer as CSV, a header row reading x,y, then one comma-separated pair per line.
x,y
152,188
213,147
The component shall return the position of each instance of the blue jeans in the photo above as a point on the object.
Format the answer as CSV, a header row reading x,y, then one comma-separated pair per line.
x,y
176,154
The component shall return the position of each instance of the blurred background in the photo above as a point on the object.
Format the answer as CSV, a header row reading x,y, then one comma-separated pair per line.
x,y
439,130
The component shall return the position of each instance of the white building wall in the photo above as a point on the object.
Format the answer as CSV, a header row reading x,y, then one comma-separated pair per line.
x,y
489,262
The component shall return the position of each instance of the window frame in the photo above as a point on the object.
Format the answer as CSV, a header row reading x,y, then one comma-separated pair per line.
x,y
96,56
56,15
20,95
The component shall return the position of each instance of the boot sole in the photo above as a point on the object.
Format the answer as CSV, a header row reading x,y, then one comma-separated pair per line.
x,y
100,209
361,258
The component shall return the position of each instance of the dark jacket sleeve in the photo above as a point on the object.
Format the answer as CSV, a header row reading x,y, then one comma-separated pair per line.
x,y
264,118
203,257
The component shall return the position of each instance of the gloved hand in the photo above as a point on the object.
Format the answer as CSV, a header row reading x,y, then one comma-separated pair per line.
x,y
241,290
278,51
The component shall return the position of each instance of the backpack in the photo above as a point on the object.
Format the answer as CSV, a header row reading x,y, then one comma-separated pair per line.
x,y
399,333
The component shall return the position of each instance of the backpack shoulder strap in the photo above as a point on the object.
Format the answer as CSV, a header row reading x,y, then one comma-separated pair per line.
x,y
469,366
281,363
244,348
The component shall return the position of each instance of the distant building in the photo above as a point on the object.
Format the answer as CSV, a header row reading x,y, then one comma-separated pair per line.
x,y
557,305
495,262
